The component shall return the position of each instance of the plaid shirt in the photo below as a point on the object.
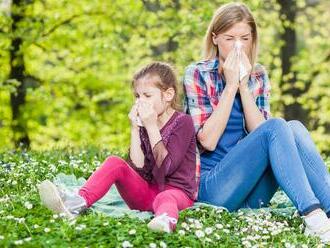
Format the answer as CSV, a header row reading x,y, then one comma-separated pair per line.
x,y
203,86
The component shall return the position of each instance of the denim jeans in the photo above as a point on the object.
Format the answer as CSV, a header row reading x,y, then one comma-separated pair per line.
x,y
277,153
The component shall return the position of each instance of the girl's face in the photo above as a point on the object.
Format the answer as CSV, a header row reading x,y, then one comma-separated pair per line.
x,y
238,32
145,89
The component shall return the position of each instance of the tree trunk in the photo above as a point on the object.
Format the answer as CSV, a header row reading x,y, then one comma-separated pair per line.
x,y
170,45
17,72
288,11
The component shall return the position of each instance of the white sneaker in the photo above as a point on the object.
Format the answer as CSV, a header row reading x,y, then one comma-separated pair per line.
x,y
320,229
162,223
61,201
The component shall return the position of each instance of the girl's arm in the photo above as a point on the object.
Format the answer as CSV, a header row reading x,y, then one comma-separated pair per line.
x,y
135,152
168,157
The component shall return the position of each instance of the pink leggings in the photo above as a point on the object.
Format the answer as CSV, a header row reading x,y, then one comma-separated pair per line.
x,y
136,192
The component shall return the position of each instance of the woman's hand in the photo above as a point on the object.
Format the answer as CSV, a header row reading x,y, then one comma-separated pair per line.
x,y
231,70
147,114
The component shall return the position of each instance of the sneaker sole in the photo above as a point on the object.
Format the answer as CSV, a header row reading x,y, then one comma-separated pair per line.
x,y
51,199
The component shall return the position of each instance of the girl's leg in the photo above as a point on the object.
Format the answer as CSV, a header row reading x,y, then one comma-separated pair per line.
x,y
234,178
315,168
136,192
166,207
263,192
171,201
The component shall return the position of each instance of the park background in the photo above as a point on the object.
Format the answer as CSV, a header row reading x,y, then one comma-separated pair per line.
x,y
66,66
65,92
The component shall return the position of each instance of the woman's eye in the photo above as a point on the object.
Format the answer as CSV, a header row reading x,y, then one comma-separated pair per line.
x,y
229,39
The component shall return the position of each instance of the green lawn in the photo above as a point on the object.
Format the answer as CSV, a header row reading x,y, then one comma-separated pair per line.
x,y
25,222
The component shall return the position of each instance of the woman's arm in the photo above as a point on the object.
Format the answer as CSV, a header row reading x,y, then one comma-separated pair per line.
x,y
256,110
213,128
214,122
253,116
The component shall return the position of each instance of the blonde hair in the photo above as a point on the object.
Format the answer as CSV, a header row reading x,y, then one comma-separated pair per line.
x,y
167,76
223,19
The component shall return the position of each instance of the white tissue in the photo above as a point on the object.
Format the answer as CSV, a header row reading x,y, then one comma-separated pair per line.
x,y
242,69
138,120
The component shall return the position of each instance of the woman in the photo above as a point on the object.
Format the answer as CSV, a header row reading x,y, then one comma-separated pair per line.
x,y
245,154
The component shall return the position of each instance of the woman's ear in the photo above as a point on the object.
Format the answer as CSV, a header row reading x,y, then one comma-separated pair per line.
x,y
214,39
169,94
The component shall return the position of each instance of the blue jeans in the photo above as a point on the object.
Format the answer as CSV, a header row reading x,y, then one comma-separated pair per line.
x,y
277,153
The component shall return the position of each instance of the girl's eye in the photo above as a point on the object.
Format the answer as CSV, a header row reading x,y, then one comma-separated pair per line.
x,y
229,39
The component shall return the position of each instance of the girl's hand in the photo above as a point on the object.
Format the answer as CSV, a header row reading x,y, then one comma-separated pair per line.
x,y
246,63
231,70
133,115
147,114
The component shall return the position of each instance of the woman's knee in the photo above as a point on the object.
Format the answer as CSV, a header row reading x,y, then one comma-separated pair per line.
x,y
296,126
276,123
272,126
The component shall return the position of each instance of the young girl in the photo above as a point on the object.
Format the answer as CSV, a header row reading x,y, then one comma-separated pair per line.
x,y
245,154
159,175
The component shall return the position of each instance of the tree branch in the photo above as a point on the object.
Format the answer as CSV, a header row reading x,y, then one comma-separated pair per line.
x,y
67,21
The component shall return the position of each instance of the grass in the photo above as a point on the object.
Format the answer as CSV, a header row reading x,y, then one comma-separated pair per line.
x,y
25,222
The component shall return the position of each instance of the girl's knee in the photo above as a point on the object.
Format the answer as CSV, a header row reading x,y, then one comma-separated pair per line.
x,y
163,197
114,159
115,162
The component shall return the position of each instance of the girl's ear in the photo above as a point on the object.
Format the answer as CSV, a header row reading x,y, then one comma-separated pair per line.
x,y
169,94
214,39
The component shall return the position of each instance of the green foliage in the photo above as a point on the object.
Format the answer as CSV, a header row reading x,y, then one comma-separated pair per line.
x,y
81,55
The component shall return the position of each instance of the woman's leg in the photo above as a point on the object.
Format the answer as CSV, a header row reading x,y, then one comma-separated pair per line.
x,y
136,192
263,192
234,178
315,168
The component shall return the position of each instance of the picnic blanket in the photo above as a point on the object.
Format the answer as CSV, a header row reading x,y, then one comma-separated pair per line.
x,y
113,205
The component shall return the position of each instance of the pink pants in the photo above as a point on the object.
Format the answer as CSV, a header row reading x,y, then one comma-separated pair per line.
x,y
136,192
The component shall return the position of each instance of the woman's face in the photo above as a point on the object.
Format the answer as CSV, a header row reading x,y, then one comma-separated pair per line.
x,y
238,32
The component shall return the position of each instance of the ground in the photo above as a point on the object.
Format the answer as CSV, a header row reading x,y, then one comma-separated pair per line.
x,y
25,222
